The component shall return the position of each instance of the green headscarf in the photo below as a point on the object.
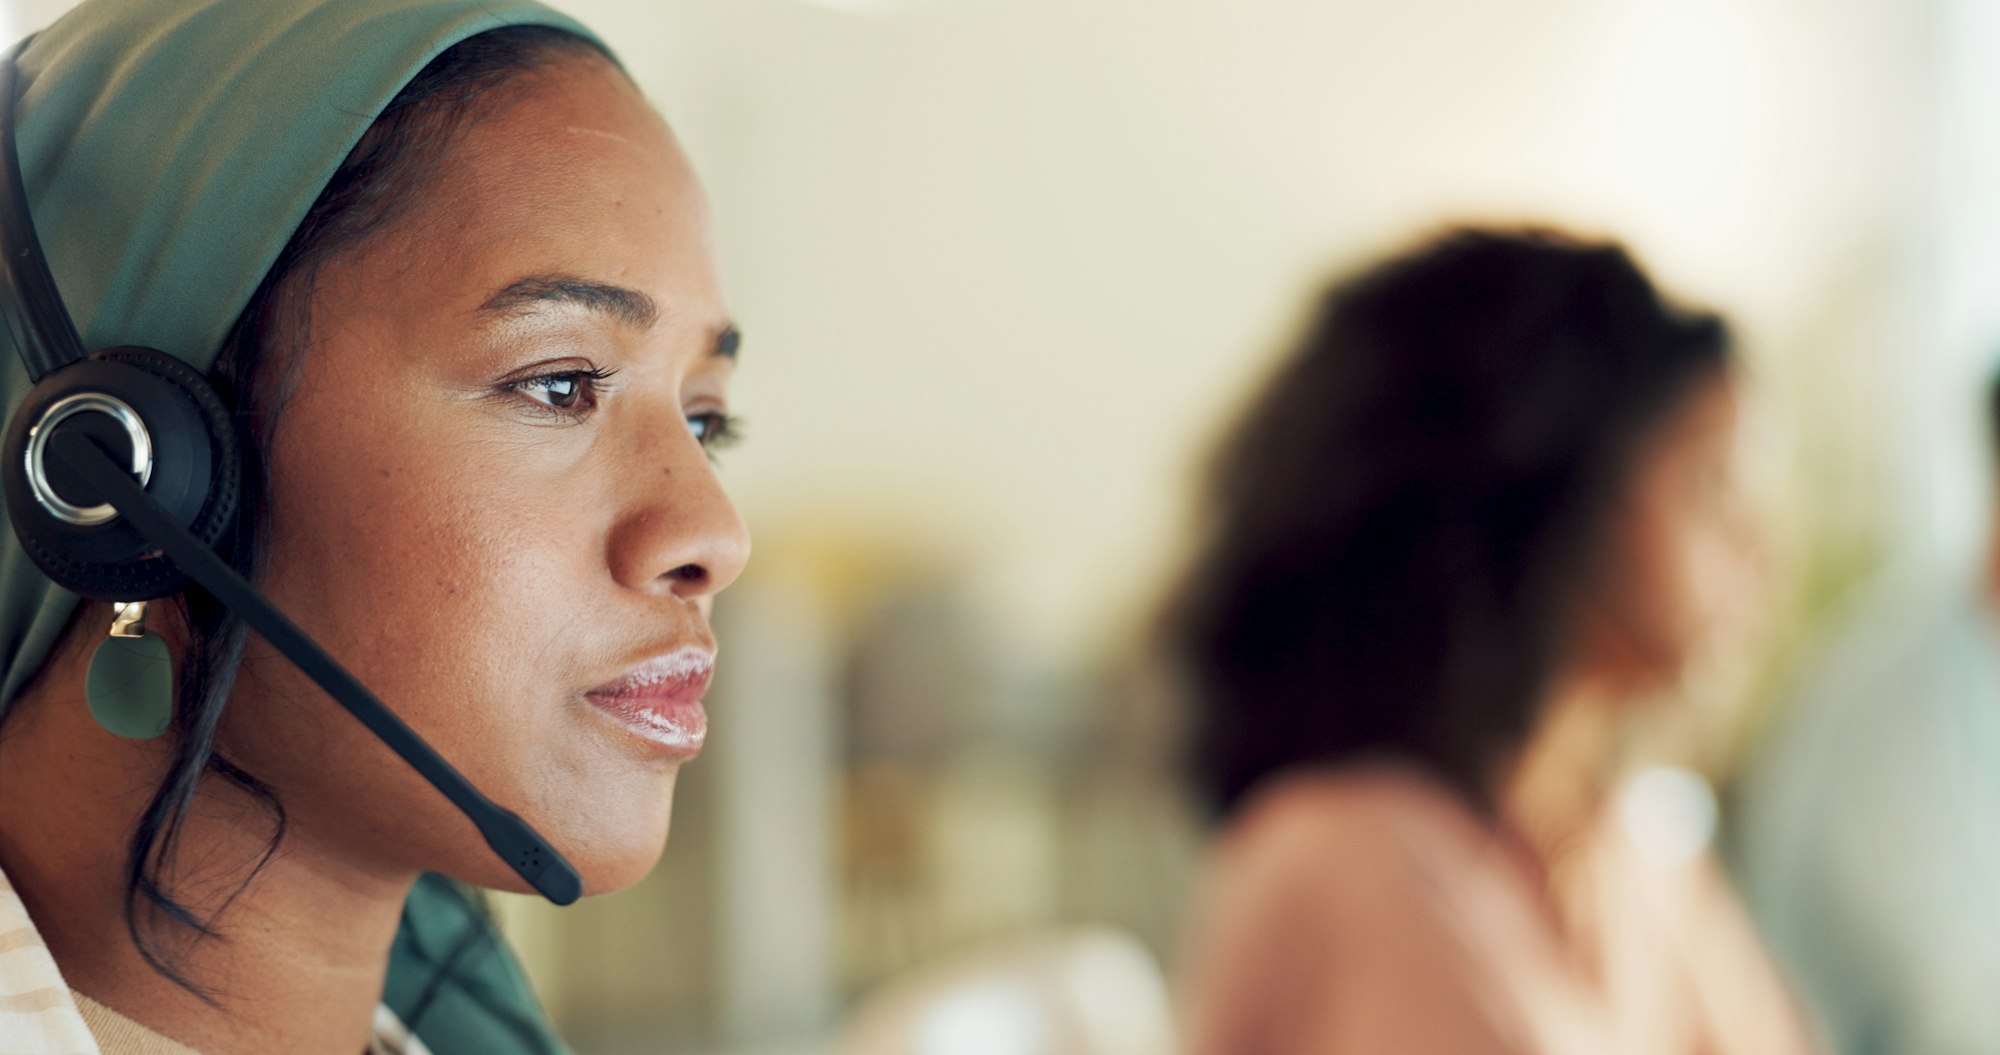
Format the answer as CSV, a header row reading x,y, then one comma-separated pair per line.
x,y
170,148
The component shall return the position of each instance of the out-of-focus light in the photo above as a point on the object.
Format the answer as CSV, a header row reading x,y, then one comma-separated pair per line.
x,y
994,1019
1669,813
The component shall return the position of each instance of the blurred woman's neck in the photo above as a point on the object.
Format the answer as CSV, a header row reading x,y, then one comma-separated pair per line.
x,y
1555,789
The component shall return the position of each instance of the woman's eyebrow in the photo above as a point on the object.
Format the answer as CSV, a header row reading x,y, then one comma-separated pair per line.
x,y
628,306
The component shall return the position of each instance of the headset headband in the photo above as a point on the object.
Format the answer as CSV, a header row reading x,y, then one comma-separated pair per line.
x,y
42,330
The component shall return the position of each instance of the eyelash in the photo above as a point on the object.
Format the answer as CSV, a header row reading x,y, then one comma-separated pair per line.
x,y
719,430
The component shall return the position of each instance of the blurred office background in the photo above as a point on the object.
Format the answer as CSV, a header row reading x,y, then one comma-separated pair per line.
x,y
1005,268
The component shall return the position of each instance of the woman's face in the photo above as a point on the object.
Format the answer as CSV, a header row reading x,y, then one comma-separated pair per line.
x,y
1681,573
491,500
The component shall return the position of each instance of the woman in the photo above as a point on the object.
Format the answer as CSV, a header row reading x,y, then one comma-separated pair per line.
x,y
453,275
1484,509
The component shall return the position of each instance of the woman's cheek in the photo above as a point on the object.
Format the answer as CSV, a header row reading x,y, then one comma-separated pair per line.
x,y
1728,582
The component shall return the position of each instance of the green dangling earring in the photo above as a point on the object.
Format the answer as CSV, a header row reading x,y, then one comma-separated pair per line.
x,y
131,681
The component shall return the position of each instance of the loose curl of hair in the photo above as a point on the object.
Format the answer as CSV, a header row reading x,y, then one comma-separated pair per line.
x,y
1403,523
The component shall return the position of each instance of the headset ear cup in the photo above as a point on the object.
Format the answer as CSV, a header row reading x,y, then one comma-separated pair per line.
x,y
196,473
216,515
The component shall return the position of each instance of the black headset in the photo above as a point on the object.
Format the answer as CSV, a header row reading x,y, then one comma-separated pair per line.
x,y
122,471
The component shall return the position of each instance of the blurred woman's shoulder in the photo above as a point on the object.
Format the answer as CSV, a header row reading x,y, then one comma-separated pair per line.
x,y
1369,822
1375,905
1382,853
1366,908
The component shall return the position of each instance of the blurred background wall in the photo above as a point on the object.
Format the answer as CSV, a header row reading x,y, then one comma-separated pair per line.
x,y
1005,268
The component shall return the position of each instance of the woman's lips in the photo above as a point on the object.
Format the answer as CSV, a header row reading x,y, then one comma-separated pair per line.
x,y
660,700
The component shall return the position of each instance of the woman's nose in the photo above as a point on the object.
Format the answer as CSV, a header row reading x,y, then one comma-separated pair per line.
x,y
679,532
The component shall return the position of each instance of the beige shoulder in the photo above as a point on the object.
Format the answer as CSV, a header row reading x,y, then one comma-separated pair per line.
x,y
1374,835
1389,811
1326,895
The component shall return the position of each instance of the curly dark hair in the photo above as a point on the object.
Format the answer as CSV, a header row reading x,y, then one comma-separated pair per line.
x,y
1402,524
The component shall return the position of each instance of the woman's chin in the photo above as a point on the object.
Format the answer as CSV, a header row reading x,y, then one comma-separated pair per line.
x,y
605,870
612,837
616,852
612,877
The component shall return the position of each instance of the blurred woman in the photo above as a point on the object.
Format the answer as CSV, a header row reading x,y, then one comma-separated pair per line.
x,y
1484,510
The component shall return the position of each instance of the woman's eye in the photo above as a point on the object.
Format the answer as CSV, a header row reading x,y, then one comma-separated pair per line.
x,y
571,393
712,429
560,392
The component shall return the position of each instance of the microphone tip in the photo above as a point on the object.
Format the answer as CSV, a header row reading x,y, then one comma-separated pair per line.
x,y
559,883
531,857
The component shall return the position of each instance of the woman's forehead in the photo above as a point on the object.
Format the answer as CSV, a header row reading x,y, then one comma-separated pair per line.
x,y
578,114
574,174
